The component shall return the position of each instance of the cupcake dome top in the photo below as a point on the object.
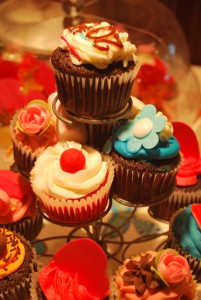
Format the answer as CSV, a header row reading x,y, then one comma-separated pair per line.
x,y
98,44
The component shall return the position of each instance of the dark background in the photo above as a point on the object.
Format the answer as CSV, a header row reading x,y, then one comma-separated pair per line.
x,y
187,13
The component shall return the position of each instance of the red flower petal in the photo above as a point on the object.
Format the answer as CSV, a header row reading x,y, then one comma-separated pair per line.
x,y
85,257
196,211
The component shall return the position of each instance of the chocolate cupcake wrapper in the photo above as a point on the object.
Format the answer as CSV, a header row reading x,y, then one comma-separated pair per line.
x,y
29,227
23,156
94,97
172,242
179,199
82,210
143,188
98,134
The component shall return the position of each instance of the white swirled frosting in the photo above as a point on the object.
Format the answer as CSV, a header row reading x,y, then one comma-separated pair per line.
x,y
47,175
98,44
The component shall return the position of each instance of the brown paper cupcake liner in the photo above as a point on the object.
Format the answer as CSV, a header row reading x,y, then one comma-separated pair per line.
x,y
29,227
179,199
98,134
82,210
143,188
172,242
94,97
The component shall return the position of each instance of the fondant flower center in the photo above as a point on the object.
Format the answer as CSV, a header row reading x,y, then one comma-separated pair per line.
x,y
142,128
72,160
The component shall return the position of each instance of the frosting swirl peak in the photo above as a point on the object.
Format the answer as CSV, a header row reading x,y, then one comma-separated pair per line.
x,y
98,44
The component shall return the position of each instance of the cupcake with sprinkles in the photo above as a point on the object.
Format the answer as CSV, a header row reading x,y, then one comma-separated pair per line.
x,y
75,184
32,130
18,270
146,157
94,66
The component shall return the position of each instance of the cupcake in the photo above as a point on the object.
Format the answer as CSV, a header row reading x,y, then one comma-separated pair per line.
x,y
154,275
185,235
146,157
188,179
73,275
94,67
32,130
17,205
75,183
18,268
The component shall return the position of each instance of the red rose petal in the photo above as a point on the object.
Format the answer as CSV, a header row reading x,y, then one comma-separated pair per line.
x,y
85,257
187,139
196,211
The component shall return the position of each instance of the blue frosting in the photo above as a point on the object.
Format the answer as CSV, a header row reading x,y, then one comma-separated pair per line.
x,y
163,150
187,232
139,138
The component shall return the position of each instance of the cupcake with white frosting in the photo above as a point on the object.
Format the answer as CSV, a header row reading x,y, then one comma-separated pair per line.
x,y
94,66
75,182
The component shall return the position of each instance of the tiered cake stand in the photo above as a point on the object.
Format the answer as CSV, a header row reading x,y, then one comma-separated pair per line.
x,y
110,237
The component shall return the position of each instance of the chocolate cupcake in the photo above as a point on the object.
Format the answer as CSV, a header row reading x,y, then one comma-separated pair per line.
x,y
146,157
188,179
94,67
18,271
185,236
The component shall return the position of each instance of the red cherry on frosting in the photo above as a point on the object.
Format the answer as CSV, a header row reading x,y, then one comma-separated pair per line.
x,y
72,160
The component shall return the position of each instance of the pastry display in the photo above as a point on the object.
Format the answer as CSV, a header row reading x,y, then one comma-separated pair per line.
x,y
185,235
88,142
75,183
17,205
188,179
94,66
32,130
154,275
18,269
146,157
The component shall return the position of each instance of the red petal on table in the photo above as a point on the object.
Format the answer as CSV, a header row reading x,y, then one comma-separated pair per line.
x,y
10,96
8,69
85,257
196,211
45,77
187,139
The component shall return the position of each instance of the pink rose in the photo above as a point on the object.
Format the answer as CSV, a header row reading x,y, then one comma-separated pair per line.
x,y
34,119
173,267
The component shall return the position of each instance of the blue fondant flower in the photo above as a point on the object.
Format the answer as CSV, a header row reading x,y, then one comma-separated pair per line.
x,y
143,130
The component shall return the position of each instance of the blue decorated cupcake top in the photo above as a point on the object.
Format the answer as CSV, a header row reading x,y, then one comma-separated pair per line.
x,y
187,230
148,136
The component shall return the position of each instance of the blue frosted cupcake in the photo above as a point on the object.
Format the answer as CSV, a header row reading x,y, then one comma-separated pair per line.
x,y
185,236
147,158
